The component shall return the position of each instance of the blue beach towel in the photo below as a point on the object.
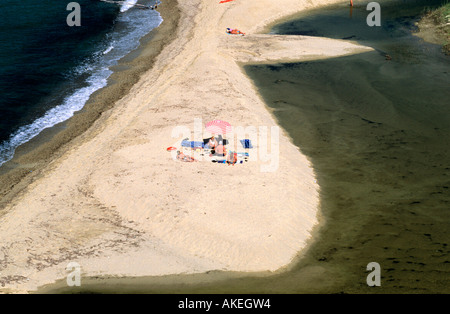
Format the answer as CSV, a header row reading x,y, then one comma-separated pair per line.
x,y
246,143
192,144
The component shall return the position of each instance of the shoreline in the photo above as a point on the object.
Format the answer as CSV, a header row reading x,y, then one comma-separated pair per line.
x,y
31,157
434,28
135,126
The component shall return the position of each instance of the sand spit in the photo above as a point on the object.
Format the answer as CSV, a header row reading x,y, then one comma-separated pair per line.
x,y
117,203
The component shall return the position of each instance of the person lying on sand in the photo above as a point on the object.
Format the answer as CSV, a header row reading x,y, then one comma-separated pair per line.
x,y
234,31
183,157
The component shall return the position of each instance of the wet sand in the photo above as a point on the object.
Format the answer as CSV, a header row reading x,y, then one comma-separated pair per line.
x,y
114,201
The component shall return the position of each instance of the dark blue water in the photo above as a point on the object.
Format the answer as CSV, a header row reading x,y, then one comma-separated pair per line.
x,y
48,70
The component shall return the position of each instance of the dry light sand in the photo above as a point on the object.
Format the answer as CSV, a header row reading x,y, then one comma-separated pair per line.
x,y
116,202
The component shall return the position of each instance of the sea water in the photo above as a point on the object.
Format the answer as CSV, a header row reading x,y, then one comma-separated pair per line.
x,y
49,70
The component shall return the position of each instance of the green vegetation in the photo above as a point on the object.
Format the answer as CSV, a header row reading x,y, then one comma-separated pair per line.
x,y
441,19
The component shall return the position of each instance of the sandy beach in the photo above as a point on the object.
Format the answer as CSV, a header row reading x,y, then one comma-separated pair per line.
x,y
114,200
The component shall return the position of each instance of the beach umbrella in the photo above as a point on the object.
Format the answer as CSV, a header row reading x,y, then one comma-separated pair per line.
x,y
218,127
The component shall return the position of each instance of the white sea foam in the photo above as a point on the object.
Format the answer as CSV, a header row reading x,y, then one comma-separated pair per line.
x,y
60,113
128,5
111,47
134,25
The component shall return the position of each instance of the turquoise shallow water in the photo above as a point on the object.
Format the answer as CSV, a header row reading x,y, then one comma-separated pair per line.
x,y
377,133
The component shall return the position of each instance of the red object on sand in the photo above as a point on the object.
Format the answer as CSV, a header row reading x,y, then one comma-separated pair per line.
x,y
225,1
236,32
171,148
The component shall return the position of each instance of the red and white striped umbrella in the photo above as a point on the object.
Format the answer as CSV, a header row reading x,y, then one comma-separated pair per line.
x,y
218,127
